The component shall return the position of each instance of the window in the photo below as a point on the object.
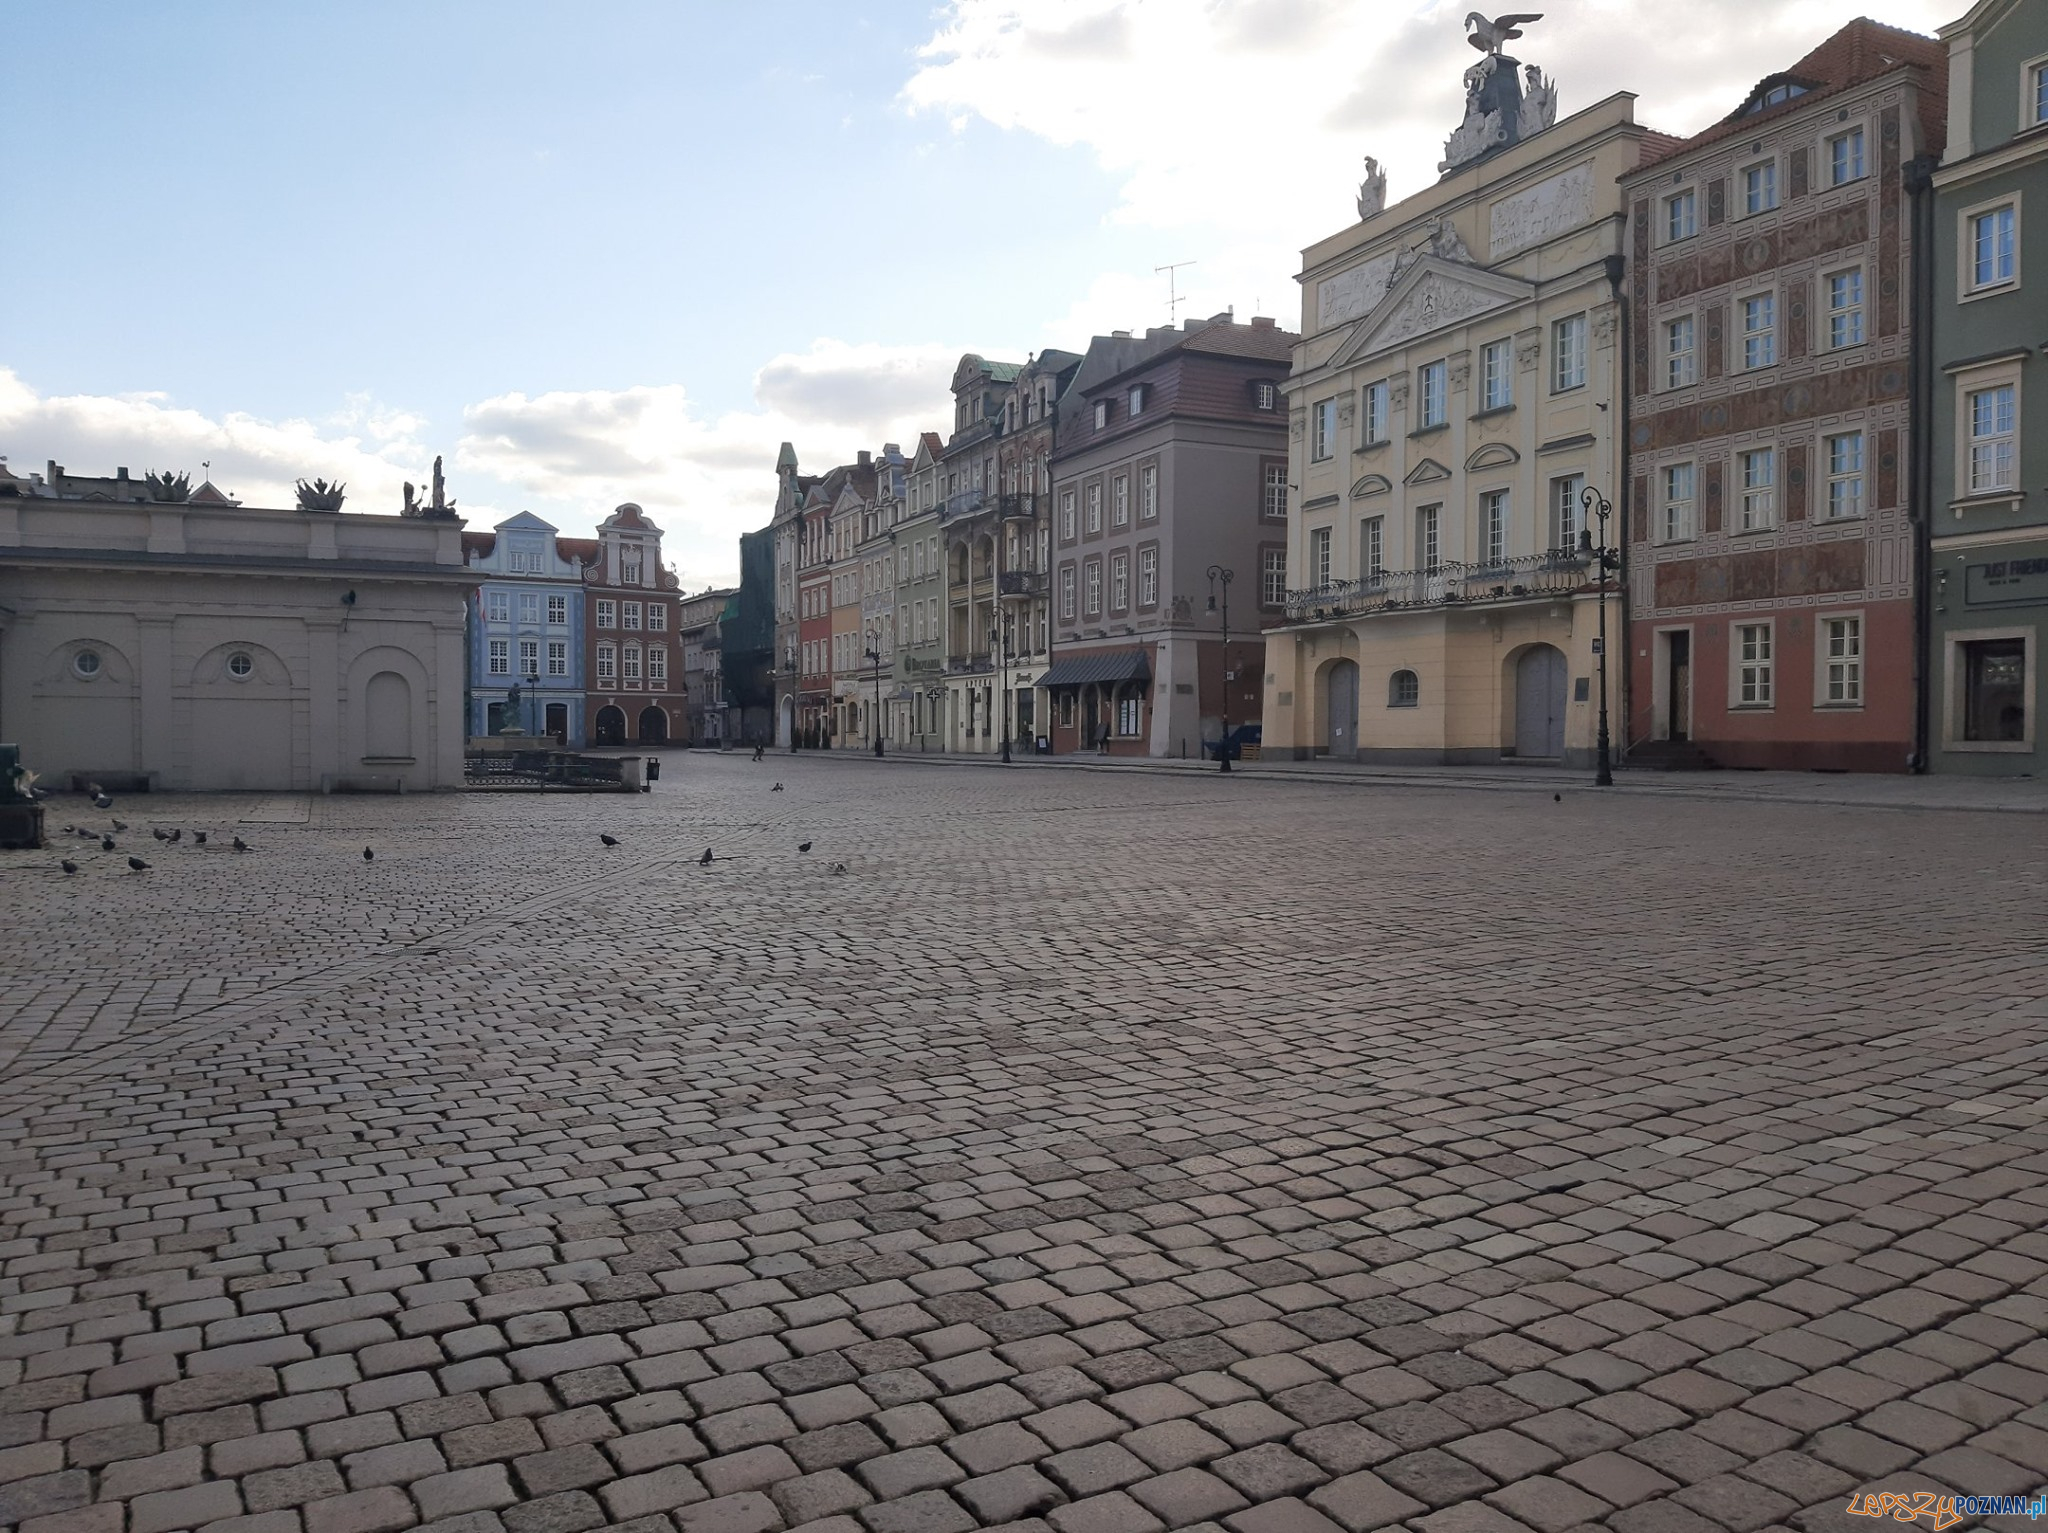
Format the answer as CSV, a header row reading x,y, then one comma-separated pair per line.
x,y
558,609
629,667
657,663
1428,543
1760,187
1067,592
1845,157
607,614
1094,509
629,566
1681,353
1101,414
1375,413
1265,396
529,657
1993,255
1845,309
498,607
1841,681
1372,547
1120,501
1273,577
1681,215
1565,511
558,657
1120,583
1322,418
1404,690
1994,689
529,608
1568,349
501,657
1493,526
1319,557
240,665
1759,489
1752,665
1760,330
1129,709
1845,475
1275,501
1148,577
1067,515
1148,493
1137,400
1433,391
1497,374
630,611
1991,421
1678,502
657,616
607,662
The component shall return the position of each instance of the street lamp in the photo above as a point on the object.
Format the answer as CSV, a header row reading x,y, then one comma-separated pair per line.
x,y
789,670
935,696
1001,656
1218,573
533,689
875,720
1597,505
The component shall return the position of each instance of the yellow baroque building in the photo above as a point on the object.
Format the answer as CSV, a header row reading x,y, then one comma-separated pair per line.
x,y
1457,389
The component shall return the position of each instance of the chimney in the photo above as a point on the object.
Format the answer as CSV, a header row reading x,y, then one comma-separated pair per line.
x,y
862,458
120,474
1261,322
1119,335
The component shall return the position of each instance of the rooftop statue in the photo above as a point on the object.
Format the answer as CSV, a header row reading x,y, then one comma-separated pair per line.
x,y
320,495
1372,191
1499,113
1487,36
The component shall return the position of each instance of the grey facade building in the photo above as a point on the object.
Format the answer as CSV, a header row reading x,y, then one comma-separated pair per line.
x,y
1171,461
921,600
1988,398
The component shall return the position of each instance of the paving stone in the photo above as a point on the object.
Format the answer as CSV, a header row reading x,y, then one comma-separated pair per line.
x,y
483,1488
747,1512
823,1494
192,1507
1358,1502
929,1511
382,1509
1111,1513
645,1495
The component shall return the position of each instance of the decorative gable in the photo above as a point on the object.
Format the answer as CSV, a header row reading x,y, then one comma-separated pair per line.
x,y
1431,295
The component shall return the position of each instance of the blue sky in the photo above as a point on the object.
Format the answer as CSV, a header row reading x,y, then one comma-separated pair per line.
x,y
619,250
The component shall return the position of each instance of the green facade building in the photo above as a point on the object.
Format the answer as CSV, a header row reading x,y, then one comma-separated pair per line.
x,y
1986,385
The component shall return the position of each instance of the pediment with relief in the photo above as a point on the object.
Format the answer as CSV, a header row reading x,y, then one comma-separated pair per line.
x,y
1428,471
1433,294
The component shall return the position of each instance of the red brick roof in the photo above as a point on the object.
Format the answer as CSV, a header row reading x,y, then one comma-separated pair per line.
x,y
1265,342
1860,52
583,550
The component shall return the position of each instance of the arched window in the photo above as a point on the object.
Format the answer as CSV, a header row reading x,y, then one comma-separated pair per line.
x,y
1404,690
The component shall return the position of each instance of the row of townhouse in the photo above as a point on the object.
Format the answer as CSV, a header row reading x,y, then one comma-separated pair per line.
x,y
1754,403
1054,574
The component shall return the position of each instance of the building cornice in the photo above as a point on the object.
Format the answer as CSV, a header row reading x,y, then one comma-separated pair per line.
x,y
137,562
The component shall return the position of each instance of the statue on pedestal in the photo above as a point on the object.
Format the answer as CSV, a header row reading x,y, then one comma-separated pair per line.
x,y
1372,191
1498,113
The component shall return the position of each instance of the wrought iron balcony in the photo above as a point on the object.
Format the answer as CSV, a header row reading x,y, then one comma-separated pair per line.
x,y
1530,577
1020,582
967,665
965,503
1017,507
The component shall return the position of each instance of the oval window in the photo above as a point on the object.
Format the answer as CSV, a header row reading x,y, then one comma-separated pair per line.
x,y
239,664
86,662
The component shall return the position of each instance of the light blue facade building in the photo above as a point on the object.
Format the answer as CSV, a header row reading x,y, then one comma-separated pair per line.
x,y
526,631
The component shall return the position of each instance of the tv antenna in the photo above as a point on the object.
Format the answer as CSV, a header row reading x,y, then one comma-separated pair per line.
x,y
1173,298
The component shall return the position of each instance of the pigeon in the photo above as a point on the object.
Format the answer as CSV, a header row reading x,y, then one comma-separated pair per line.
x,y
368,855
102,802
95,790
158,832
106,843
199,838
71,830
707,859
776,789
803,846
120,825
1557,798
241,845
176,835
138,865
838,868
68,866
608,840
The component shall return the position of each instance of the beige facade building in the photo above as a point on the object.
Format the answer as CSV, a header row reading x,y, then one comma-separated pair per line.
x,y
1456,387
151,637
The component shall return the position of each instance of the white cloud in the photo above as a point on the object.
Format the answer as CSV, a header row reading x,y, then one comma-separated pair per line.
x,y
254,460
1229,114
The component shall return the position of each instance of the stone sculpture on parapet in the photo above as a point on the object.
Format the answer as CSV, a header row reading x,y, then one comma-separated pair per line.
x,y
440,507
1498,112
1372,191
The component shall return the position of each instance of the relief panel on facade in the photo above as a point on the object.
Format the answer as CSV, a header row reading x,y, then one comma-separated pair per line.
x,y
1853,388
1548,208
1355,291
1797,240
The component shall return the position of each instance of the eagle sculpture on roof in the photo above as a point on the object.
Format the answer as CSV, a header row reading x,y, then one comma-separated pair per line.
x,y
1488,36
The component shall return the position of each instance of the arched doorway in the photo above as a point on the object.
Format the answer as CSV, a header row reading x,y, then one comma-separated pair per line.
x,y
653,726
387,713
611,726
1539,702
1340,712
787,732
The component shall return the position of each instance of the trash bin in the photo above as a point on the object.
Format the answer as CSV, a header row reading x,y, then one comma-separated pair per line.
x,y
654,769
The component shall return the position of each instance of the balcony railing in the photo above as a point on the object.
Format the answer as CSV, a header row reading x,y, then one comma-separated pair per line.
x,y
1020,582
967,665
1530,576
1020,507
965,503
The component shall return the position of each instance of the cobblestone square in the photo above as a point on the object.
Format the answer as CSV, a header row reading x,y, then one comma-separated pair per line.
x,y
1099,1153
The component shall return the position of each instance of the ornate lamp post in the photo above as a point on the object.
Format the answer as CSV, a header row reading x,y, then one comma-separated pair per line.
x,y
789,670
1217,573
935,696
1597,506
533,690
875,722
1001,655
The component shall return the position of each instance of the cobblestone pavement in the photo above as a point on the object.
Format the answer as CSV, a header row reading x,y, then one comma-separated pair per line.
x,y
1098,1153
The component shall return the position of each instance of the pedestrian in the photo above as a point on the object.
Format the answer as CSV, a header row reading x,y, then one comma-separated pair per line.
x,y
758,748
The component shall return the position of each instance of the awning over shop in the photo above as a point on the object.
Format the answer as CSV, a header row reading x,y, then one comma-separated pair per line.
x,y
1102,666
